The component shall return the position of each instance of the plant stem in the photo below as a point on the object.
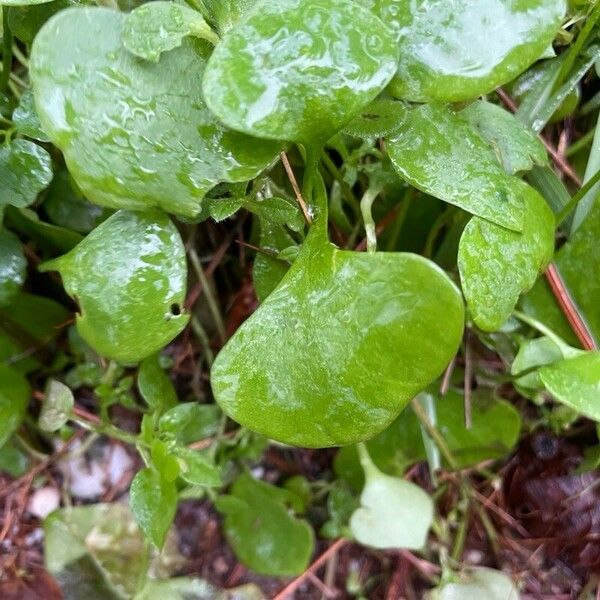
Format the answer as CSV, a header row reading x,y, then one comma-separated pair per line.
x,y
7,40
577,198
366,204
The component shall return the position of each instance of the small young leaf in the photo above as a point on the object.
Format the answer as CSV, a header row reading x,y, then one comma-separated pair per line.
x,y
220,209
394,513
14,396
153,501
131,307
57,406
453,51
262,532
155,385
440,153
333,336
25,170
157,27
517,147
135,134
190,422
196,469
26,120
13,266
534,353
278,211
382,118
299,70
576,383
497,265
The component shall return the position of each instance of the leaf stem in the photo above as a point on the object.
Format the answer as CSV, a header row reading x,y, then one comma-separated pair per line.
x,y
574,201
366,204
7,40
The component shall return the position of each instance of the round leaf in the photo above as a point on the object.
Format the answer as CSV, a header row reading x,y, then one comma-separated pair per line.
x,y
131,306
340,347
299,70
497,265
135,134
12,266
453,51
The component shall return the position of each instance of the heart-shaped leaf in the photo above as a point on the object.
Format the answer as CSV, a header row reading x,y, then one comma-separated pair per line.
x,y
157,27
517,147
394,513
14,396
57,406
12,266
453,51
497,265
132,306
135,134
576,383
299,70
442,154
340,347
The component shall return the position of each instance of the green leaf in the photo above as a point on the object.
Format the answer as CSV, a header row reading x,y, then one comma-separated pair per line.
x,y
394,513
135,134
381,118
477,583
517,147
157,27
196,468
155,385
163,460
262,532
57,406
25,170
299,70
22,2
576,383
534,353
278,211
334,354
192,588
497,265
227,13
26,120
131,307
440,153
14,396
153,501
222,208
578,263
26,21
13,266
454,51
190,422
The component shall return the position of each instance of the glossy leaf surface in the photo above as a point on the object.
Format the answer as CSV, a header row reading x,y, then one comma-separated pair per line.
x,y
23,2
517,147
12,266
157,27
190,422
26,120
340,347
299,70
226,13
135,134
497,265
57,406
440,153
578,263
394,513
153,502
576,383
155,385
25,170
132,306
261,530
453,51
196,468
14,396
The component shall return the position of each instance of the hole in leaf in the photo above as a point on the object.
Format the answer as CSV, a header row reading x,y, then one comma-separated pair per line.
x,y
175,309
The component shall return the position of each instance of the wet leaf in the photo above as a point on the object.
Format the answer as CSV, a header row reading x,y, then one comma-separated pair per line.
x,y
13,266
155,385
441,154
57,406
453,51
317,364
299,70
22,2
196,468
132,306
190,422
226,13
14,396
517,147
578,263
157,27
26,120
497,265
534,353
262,532
135,134
153,501
381,118
26,21
576,383
477,583
25,170
393,513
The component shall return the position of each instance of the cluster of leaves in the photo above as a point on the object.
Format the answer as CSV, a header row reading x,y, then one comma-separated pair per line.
x,y
123,131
